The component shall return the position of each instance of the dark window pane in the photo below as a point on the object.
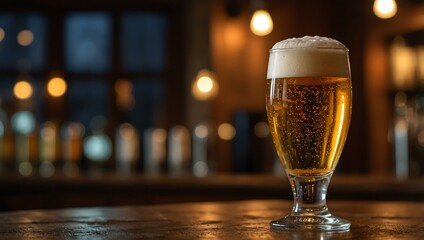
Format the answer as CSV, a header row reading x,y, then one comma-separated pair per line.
x,y
88,42
6,90
149,103
28,57
88,98
143,41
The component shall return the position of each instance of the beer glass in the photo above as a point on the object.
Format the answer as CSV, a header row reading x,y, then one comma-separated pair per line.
x,y
309,102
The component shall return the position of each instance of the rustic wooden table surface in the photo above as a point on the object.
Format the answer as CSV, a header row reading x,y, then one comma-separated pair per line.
x,y
84,191
214,220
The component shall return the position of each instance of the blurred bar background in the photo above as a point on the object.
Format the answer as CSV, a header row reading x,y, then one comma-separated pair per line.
x,y
177,87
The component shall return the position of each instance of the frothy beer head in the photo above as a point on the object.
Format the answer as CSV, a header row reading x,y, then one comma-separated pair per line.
x,y
308,57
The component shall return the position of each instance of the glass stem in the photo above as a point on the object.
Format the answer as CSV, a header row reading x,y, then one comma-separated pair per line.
x,y
310,194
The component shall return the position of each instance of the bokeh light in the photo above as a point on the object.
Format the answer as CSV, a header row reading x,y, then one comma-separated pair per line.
x,y
25,168
46,169
205,84
98,147
23,122
205,87
261,23
226,131
25,37
200,169
56,87
385,8
201,131
261,129
22,90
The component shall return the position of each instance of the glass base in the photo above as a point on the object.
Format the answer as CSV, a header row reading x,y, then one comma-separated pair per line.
x,y
295,221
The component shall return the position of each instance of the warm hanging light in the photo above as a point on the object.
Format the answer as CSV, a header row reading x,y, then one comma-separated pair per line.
x,y
385,8
261,23
204,86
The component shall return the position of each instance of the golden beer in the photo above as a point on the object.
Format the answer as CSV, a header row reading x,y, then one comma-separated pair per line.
x,y
309,119
309,104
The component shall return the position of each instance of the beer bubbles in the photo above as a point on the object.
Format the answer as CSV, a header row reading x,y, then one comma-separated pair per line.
x,y
308,103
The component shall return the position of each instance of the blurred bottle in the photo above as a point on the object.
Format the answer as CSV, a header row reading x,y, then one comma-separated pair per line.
x,y
23,124
203,140
127,149
98,146
72,135
401,144
47,149
252,149
154,145
179,151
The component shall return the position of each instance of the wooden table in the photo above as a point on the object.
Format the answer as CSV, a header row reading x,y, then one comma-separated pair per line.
x,y
214,220
84,191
